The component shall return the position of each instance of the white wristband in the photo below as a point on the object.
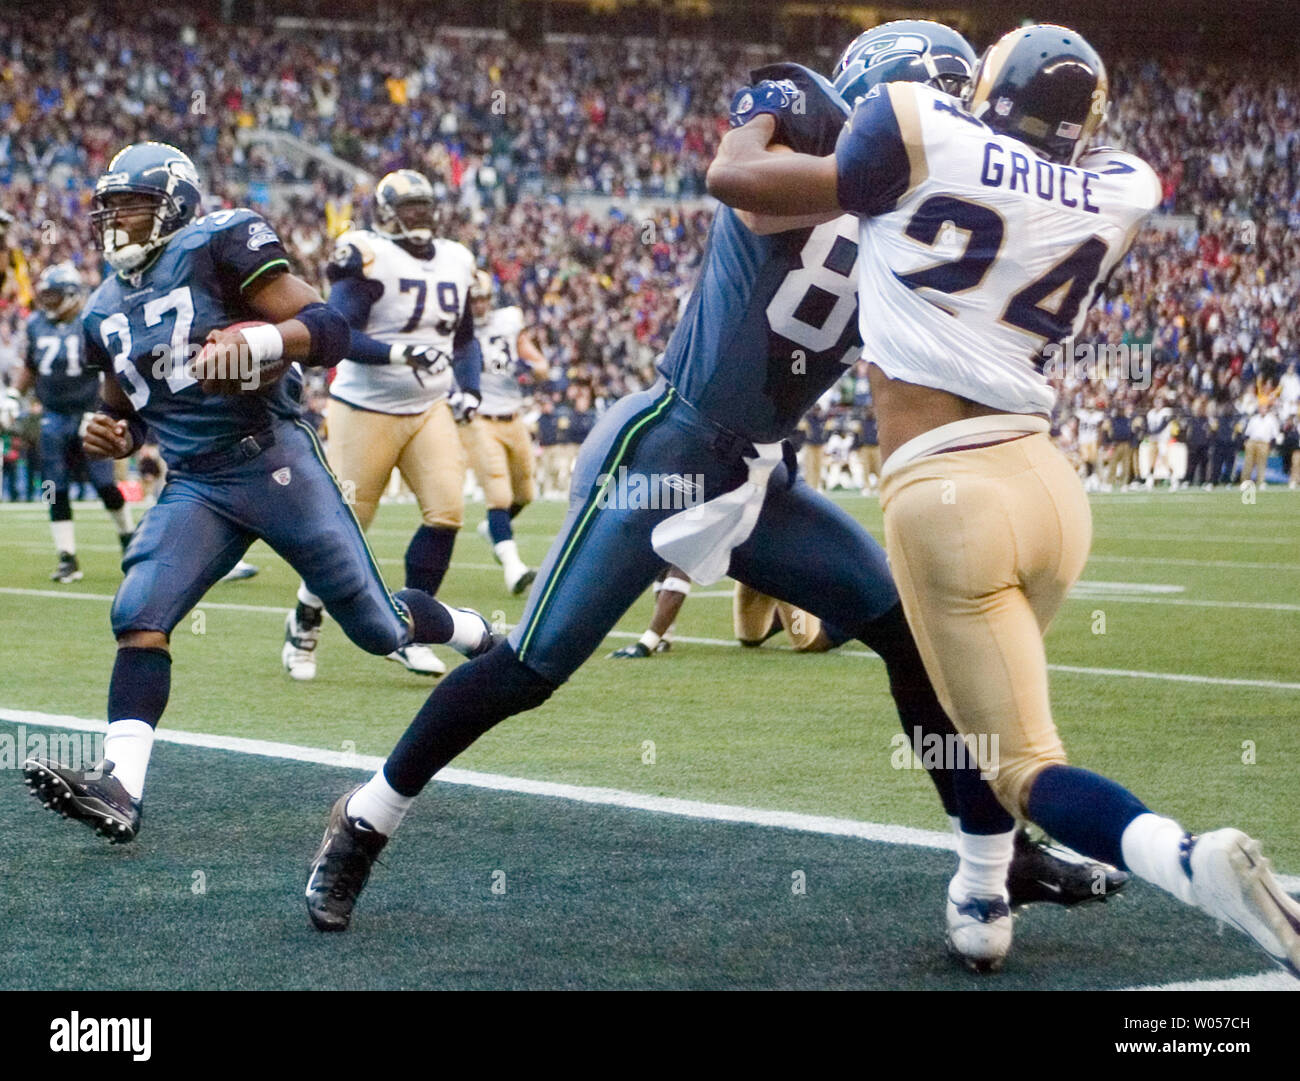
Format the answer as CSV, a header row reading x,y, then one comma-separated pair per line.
x,y
264,342
397,353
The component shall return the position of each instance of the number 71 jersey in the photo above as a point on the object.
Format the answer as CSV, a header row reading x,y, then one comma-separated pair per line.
x,y
976,256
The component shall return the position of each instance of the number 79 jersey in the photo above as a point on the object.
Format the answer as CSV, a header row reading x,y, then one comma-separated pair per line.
x,y
977,256
414,302
771,324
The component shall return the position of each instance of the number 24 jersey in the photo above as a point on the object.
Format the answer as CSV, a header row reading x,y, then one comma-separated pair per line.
x,y
976,255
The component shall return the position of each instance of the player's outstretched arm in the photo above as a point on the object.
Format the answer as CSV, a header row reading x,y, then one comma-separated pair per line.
x,y
750,175
531,355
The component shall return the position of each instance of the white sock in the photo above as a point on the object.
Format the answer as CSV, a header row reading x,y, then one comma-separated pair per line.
x,y
467,630
65,537
983,862
307,597
128,746
1151,845
650,640
508,552
381,805
122,519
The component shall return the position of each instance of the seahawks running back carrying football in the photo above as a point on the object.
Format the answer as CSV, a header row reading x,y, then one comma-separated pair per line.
x,y
242,464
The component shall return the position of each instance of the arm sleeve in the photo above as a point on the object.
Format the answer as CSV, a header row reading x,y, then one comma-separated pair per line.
x,y
96,357
467,365
247,250
352,297
871,157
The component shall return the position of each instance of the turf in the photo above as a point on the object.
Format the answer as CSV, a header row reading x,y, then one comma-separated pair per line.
x,y
763,729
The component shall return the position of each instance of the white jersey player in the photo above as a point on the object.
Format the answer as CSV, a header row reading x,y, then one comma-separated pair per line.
x,y
985,233
500,449
411,374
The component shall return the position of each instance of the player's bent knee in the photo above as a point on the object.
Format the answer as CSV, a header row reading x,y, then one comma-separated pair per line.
x,y
443,519
142,640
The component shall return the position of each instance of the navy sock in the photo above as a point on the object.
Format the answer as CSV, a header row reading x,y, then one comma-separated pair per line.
x,y
463,706
140,685
61,506
431,623
1084,810
111,496
428,556
961,790
499,526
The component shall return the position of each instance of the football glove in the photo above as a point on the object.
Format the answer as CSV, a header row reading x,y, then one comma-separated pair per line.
x,y
464,405
420,359
809,111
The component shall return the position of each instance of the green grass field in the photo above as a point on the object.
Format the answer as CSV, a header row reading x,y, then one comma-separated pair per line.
x,y
1189,697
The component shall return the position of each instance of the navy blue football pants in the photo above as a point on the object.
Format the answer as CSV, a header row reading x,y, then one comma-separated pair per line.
x,y
62,457
804,549
204,522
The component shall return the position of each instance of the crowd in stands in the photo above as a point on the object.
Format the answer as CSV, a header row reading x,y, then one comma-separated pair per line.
x,y
1198,331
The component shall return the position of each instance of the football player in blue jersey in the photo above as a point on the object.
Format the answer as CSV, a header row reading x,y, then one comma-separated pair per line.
x,y
771,324
67,389
987,522
197,332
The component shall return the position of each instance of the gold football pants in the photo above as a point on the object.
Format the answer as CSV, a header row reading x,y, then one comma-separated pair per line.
x,y
365,447
984,545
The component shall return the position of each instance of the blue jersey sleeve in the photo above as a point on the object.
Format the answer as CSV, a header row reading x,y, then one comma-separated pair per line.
x,y
246,251
871,157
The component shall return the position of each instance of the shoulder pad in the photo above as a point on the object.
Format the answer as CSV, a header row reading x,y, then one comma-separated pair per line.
x,y
353,255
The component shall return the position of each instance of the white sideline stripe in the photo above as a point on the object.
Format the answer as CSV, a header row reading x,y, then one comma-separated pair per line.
x,y
882,833
612,797
1130,673
1169,561
1123,588
1274,980
1192,538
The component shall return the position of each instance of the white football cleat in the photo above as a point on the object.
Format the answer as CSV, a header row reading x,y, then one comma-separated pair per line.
x,y
979,932
522,579
1233,882
239,572
419,659
299,653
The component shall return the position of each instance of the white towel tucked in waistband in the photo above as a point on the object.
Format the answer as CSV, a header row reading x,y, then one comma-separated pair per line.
x,y
700,539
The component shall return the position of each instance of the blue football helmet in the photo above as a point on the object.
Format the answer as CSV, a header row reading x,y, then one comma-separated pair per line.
x,y
410,192
906,50
1045,86
58,289
151,169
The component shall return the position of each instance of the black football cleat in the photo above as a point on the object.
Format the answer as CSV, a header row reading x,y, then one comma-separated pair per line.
x,y
341,867
68,571
1042,873
94,797
637,651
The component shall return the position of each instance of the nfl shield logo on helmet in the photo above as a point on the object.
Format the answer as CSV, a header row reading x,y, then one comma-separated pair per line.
x,y
282,476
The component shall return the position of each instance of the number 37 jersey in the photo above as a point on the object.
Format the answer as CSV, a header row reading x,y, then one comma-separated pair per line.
x,y
976,255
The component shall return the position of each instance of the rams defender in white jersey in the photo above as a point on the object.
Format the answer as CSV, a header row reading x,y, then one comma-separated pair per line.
x,y
497,441
412,372
985,233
